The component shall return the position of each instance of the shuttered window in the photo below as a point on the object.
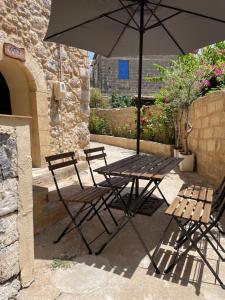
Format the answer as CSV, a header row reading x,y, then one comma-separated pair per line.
x,y
123,69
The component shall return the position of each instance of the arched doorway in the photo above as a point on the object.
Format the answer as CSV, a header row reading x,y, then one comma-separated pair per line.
x,y
25,94
5,103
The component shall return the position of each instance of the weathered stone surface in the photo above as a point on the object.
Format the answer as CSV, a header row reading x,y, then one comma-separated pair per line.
x,y
7,156
9,262
9,290
8,196
8,230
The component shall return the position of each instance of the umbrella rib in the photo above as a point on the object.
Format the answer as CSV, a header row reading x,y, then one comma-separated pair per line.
x,y
149,19
122,32
130,14
89,21
188,12
163,20
118,21
167,31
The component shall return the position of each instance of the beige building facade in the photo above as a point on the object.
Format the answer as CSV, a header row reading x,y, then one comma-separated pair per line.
x,y
29,71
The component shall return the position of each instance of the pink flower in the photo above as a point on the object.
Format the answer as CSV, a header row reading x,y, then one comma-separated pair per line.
x,y
218,72
205,83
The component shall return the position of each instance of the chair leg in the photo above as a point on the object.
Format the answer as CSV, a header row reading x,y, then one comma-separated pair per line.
x,y
194,244
78,228
144,246
100,219
65,231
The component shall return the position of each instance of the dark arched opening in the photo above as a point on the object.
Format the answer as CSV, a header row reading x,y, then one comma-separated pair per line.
x,y
5,103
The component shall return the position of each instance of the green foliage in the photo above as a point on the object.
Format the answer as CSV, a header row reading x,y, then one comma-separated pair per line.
x,y
188,77
97,100
158,125
123,131
98,125
121,101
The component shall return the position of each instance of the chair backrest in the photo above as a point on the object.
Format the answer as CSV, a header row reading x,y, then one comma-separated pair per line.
x,y
219,200
93,154
59,161
218,194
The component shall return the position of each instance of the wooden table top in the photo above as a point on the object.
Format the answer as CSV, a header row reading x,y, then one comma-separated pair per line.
x,y
141,166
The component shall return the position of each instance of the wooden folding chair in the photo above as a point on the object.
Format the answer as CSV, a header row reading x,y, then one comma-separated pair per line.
x,y
200,209
117,183
89,197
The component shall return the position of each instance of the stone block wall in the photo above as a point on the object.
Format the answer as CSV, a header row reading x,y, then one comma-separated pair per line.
x,y
207,139
62,126
16,218
105,74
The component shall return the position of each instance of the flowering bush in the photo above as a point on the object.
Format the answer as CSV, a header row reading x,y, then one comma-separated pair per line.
x,y
188,77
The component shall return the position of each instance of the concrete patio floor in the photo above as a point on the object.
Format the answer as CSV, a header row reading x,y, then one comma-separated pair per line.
x,y
64,271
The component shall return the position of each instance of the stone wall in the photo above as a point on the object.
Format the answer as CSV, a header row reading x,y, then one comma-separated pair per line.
x,y
105,74
16,218
207,139
63,125
118,117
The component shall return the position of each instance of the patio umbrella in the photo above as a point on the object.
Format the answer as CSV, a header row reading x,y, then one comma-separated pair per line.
x,y
116,28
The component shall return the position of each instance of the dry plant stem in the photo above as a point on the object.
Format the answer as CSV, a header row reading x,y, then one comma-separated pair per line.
x,y
188,129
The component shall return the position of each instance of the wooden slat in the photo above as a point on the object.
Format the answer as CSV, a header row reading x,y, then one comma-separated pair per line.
x,y
133,166
91,150
196,191
209,196
173,206
59,156
62,164
110,167
189,209
206,213
140,169
87,195
189,191
202,194
182,190
168,168
180,209
97,156
198,211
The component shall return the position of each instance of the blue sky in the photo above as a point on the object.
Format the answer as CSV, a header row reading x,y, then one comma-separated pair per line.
x,y
91,54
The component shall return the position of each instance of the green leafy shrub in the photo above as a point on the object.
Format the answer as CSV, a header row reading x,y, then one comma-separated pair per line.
x,y
98,125
121,101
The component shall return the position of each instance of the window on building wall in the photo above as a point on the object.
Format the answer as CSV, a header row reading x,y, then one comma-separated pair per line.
x,y
123,69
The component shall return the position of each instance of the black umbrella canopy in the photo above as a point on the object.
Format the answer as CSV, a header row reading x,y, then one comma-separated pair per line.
x,y
137,27
111,27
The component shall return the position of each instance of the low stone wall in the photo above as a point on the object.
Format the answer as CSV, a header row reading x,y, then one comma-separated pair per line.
x,y
145,146
16,218
118,117
207,139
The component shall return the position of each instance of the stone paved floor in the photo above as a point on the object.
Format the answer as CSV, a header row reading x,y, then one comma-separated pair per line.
x,y
64,271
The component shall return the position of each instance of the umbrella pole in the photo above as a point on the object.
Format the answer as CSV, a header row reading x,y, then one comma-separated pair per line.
x,y
139,102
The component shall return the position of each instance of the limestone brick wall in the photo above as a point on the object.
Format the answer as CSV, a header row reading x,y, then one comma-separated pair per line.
x,y
207,139
16,206
24,23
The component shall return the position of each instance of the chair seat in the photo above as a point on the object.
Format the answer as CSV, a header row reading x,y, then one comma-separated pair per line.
x,y
116,182
196,192
194,210
87,195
